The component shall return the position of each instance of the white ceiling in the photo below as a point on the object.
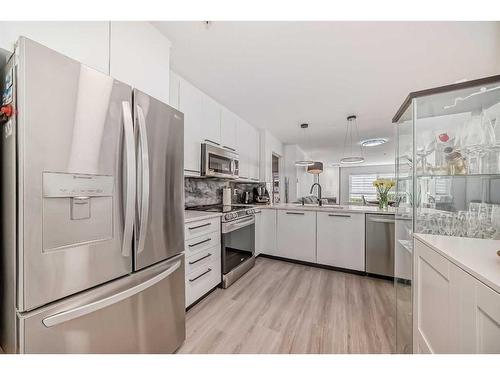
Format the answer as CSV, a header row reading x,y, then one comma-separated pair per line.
x,y
276,75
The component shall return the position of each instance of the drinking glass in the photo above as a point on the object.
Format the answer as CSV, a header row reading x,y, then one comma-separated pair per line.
x,y
495,220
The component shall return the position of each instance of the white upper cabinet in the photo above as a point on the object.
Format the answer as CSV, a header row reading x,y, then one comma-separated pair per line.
x,y
248,149
211,117
205,120
228,130
190,103
87,42
140,56
254,148
243,146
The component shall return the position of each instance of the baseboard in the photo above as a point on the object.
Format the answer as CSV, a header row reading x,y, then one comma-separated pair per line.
x,y
202,297
317,265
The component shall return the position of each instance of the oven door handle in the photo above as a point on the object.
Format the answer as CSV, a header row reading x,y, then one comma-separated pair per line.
x,y
235,225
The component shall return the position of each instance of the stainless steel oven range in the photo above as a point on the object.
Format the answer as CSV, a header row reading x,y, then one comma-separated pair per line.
x,y
238,240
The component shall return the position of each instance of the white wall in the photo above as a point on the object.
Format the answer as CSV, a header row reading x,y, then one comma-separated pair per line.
x,y
346,171
87,42
299,180
330,182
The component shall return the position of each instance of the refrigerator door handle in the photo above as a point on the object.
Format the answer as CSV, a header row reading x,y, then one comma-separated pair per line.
x,y
108,301
130,182
144,166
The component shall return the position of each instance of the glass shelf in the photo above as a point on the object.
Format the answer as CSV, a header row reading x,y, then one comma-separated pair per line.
x,y
478,175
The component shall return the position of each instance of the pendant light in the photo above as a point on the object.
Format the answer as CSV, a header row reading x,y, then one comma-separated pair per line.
x,y
304,163
315,168
353,157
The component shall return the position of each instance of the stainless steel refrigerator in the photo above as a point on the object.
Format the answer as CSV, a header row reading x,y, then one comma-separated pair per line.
x,y
92,211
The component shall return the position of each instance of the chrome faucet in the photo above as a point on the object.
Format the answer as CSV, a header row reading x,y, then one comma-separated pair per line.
x,y
319,192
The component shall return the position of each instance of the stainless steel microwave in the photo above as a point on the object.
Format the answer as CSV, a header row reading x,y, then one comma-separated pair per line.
x,y
219,162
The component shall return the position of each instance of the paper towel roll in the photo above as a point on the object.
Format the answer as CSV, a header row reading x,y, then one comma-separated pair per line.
x,y
226,196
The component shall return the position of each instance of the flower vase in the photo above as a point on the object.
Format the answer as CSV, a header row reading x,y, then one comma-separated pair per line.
x,y
383,202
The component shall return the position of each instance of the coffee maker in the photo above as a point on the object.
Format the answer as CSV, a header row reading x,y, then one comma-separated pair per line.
x,y
260,195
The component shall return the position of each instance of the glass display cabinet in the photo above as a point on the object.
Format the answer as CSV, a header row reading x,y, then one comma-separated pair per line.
x,y
447,175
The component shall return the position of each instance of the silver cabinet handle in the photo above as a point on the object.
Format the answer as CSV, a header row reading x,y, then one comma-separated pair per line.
x,y
108,301
128,226
199,243
144,169
339,215
215,143
200,275
200,259
229,148
191,170
200,226
294,213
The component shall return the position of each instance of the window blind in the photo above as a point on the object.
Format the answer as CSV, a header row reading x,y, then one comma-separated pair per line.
x,y
362,184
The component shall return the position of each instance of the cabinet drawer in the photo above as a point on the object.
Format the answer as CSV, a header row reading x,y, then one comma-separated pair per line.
x,y
202,259
202,280
198,228
207,241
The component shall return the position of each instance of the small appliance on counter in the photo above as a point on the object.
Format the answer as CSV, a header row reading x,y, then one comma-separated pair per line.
x,y
226,196
246,197
261,195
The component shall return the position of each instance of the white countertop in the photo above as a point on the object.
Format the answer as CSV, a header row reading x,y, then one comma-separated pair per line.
x,y
350,209
476,256
190,215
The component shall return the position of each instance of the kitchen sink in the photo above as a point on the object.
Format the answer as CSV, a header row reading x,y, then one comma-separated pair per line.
x,y
336,206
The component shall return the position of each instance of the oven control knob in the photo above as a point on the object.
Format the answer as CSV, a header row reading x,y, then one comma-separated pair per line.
x,y
250,211
229,216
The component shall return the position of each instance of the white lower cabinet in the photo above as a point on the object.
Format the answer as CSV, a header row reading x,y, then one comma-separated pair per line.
x,y
258,232
341,240
453,311
296,235
266,231
203,258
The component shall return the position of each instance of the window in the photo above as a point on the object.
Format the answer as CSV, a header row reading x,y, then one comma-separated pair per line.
x,y
362,184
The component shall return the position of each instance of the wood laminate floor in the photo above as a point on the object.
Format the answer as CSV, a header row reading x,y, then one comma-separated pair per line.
x,y
282,307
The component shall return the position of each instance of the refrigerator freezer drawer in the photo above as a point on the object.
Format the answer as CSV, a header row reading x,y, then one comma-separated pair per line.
x,y
140,313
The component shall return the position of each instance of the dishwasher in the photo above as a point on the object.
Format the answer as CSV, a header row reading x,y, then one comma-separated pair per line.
x,y
379,246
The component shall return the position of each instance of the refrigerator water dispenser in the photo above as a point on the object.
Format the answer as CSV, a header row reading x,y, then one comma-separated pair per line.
x,y
77,209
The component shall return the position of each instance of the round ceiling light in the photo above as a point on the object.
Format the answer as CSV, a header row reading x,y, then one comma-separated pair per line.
x,y
372,142
304,163
351,155
352,160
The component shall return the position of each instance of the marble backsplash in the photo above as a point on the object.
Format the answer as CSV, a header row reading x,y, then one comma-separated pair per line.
x,y
202,191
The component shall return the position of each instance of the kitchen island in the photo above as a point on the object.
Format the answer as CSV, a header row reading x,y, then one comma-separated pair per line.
x,y
330,235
